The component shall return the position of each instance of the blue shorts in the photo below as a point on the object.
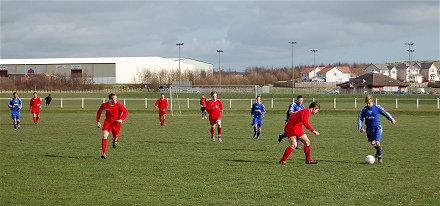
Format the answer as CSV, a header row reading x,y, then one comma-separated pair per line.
x,y
374,133
257,121
15,115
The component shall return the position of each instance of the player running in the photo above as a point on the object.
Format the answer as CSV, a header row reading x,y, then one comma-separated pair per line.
x,y
214,107
371,113
162,105
258,110
294,107
115,113
34,107
15,105
294,130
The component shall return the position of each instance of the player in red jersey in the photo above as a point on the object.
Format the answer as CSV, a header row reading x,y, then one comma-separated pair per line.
x,y
115,113
294,129
214,107
203,106
34,107
162,105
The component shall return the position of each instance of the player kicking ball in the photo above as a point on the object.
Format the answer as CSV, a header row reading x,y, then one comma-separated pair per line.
x,y
371,113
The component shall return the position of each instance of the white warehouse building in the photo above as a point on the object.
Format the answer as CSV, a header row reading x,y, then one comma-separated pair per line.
x,y
103,70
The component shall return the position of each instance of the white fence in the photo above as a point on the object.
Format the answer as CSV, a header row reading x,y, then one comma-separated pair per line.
x,y
244,104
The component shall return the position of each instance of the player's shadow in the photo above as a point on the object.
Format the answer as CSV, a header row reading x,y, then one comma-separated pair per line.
x,y
336,161
162,142
244,161
68,157
242,149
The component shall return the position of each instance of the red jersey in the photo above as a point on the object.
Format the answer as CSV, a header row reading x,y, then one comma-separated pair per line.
x,y
214,109
162,104
35,102
203,102
112,112
298,119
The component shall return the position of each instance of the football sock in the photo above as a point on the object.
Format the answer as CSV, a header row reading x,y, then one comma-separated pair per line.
x,y
15,126
307,153
104,146
286,154
379,152
35,119
212,132
258,133
255,132
219,130
297,142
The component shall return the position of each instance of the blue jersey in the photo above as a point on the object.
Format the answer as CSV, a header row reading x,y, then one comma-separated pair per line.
x,y
371,116
294,107
256,108
16,103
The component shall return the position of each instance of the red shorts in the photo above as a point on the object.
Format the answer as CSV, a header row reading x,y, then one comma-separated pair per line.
x,y
162,113
113,127
297,132
36,110
213,121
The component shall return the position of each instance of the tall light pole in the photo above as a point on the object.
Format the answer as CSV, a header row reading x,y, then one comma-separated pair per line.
x,y
219,70
409,64
293,69
314,69
179,44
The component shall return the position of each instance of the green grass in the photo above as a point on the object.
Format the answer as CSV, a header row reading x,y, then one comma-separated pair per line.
x,y
58,162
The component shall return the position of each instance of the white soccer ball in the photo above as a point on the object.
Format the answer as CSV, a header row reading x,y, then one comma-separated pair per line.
x,y
370,159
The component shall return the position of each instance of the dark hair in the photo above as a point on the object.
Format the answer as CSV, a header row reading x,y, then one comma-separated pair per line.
x,y
213,92
34,92
111,95
162,94
314,105
299,96
14,93
258,96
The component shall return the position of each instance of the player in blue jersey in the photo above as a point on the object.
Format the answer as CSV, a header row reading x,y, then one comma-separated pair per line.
x,y
371,113
15,105
258,110
293,108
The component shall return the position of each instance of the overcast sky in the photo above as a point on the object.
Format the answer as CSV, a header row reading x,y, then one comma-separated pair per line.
x,y
251,33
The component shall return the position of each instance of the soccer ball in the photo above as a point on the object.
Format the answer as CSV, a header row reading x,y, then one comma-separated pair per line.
x,y
369,159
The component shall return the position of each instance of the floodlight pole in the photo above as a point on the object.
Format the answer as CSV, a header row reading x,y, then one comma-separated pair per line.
x,y
219,70
180,76
293,69
409,65
314,69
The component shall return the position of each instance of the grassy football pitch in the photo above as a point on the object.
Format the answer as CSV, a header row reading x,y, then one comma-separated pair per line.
x,y
58,161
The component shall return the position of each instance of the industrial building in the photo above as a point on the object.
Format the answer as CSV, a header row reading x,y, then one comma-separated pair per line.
x,y
103,70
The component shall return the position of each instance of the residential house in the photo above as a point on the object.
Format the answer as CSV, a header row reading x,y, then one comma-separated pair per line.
x,y
409,73
384,69
373,82
429,71
309,74
334,74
